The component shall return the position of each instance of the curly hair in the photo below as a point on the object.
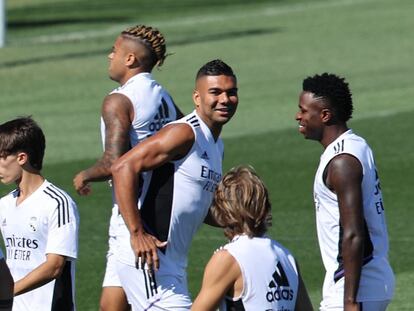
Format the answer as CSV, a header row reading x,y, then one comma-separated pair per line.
x,y
152,39
23,135
241,203
334,90
215,68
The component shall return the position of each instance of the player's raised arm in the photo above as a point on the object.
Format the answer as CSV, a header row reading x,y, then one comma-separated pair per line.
x,y
172,142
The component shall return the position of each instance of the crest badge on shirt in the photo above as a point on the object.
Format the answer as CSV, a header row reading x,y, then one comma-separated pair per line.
x,y
33,224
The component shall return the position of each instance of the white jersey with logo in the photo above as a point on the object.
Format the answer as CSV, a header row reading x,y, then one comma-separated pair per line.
x,y
270,276
178,198
44,223
377,278
153,108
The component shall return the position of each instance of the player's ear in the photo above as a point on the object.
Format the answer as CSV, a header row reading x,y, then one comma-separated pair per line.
x,y
326,115
131,60
22,158
196,98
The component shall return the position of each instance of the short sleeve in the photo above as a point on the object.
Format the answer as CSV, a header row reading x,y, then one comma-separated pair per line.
x,y
63,226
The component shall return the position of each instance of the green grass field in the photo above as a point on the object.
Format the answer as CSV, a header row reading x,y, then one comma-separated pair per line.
x,y
54,67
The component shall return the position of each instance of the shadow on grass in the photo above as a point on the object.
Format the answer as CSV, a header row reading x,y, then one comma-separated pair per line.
x,y
179,42
22,24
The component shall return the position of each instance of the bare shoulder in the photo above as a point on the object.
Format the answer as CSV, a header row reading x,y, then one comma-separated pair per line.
x,y
344,169
172,142
115,102
178,131
223,264
344,161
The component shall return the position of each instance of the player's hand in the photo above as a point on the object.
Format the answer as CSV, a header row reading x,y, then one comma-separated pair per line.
x,y
81,187
145,247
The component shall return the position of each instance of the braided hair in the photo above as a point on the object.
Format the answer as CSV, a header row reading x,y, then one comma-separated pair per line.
x,y
336,92
152,39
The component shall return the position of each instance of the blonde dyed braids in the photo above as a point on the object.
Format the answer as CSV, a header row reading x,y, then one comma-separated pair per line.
x,y
152,38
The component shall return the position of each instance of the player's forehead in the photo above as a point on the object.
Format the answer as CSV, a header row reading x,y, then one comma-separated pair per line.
x,y
224,82
121,42
118,41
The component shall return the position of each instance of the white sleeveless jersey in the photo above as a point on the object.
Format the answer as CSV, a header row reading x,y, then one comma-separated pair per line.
x,y
377,279
44,223
270,276
153,108
178,198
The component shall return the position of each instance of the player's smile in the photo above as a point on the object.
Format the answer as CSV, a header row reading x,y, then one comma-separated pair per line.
x,y
216,98
309,116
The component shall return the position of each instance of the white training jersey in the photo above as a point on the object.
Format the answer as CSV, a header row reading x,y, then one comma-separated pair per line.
x,y
270,276
44,223
377,278
178,198
153,108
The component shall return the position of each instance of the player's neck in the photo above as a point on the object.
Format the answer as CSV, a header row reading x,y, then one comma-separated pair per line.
x,y
332,133
28,184
129,75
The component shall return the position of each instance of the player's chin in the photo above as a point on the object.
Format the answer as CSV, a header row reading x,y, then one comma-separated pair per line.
x,y
6,181
224,116
302,130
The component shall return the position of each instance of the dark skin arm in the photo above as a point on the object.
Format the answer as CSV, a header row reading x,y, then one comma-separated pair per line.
x,y
6,287
117,114
344,177
171,142
303,302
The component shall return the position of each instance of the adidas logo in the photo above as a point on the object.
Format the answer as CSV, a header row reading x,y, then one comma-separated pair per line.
x,y
279,280
279,277
205,156
161,118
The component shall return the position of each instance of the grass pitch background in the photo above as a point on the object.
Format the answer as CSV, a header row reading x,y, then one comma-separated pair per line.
x,y
54,67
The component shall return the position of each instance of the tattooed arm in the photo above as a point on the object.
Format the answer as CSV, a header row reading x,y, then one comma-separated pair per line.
x,y
117,114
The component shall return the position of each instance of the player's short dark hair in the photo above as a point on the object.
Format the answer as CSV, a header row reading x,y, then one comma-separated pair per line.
x,y
23,135
335,90
241,203
215,68
152,39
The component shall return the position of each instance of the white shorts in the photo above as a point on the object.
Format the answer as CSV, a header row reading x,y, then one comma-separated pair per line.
x,y
111,278
153,293
364,306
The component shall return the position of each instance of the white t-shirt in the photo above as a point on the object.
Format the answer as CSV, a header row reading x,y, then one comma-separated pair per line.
x,y
44,223
270,276
377,278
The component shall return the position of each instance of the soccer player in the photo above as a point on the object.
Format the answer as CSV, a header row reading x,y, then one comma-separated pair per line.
x,y
130,113
251,272
186,159
6,286
38,221
350,214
